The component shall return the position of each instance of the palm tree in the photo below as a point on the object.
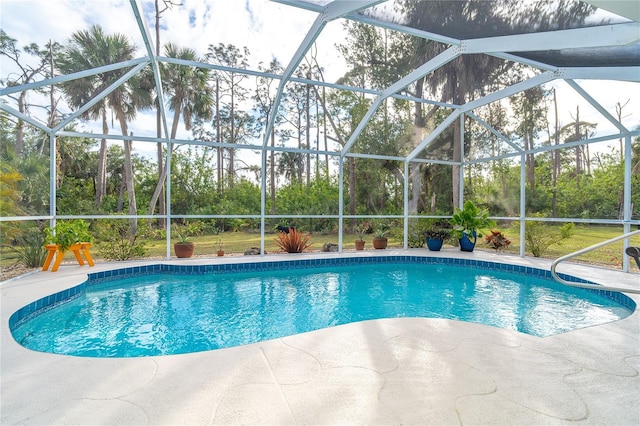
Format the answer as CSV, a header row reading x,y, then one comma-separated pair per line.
x,y
90,49
190,97
467,76
291,165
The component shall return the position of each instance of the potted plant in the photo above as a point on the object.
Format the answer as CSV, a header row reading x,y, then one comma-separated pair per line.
x,y
360,241
184,247
293,241
436,237
467,223
220,251
380,237
497,240
67,233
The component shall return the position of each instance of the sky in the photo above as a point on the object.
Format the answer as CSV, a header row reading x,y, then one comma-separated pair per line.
x,y
270,30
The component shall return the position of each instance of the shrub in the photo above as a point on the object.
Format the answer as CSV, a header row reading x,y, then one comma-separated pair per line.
x,y
115,242
415,240
539,237
567,230
438,233
293,241
30,250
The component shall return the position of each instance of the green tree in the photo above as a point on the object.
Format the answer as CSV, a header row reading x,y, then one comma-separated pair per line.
x,y
28,73
290,166
468,76
530,112
93,48
230,92
264,96
161,172
190,97
320,197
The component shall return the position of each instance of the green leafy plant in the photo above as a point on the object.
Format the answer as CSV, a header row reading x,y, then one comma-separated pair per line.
x,y
567,230
539,237
415,240
67,233
438,233
497,240
183,237
293,241
116,243
30,249
183,233
360,231
470,219
381,231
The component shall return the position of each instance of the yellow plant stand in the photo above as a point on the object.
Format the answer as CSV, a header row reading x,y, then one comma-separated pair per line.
x,y
78,250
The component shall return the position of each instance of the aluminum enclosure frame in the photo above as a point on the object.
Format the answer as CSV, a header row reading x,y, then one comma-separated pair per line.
x,y
505,47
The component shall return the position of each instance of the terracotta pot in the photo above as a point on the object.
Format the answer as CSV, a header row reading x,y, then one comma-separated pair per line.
x,y
359,244
183,249
379,243
220,252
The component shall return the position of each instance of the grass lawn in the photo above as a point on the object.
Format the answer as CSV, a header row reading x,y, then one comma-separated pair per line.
x,y
236,243
583,236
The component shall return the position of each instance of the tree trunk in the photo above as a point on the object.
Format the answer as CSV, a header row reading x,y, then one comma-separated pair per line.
x,y
128,177
131,192
272,171
325,137
327,116
59,171
52,99
530,161
162,208
123,186
232,171
556,159
307,108
298,171
457,156
219,138
317,168
22,108
578,151
352,188
157,193
101,178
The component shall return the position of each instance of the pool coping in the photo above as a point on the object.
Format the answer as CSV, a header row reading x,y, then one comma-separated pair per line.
x,y
57,389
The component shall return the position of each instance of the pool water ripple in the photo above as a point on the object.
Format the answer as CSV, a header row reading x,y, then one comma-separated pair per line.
x,y
167,313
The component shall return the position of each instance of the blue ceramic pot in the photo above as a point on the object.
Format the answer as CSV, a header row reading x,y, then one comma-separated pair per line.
x,y
467,244
434,244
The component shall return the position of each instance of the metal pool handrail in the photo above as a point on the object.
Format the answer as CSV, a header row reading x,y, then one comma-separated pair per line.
x,y
585,250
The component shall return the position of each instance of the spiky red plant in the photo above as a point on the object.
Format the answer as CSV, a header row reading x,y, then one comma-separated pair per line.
x,y
293,242
497,240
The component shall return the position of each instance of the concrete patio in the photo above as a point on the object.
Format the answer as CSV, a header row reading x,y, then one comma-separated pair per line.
x,y
389,371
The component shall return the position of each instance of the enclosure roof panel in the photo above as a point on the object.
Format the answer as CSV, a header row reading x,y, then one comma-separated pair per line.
x,y
470,20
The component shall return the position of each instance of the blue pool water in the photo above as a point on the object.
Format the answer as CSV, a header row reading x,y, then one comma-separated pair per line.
x,y
169,313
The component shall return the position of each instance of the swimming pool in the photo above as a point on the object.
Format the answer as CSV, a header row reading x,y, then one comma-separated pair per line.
x,y
168,309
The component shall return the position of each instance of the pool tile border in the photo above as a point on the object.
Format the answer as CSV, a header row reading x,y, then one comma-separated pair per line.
x,y
48,302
